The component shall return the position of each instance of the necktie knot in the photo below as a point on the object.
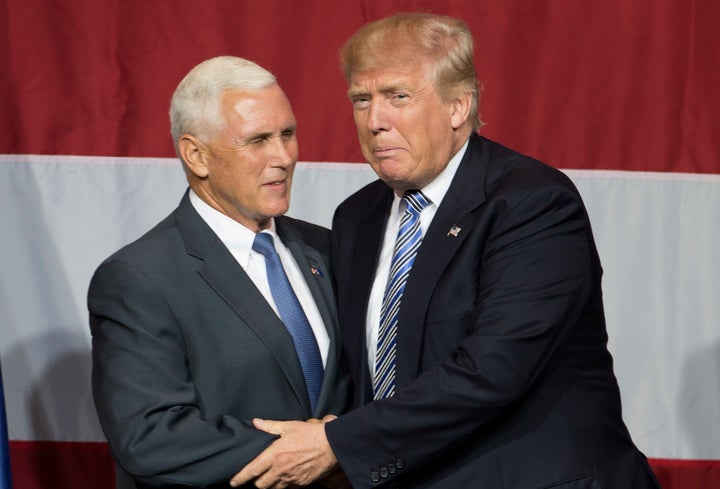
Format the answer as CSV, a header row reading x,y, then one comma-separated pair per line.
x,y
264,244
415,201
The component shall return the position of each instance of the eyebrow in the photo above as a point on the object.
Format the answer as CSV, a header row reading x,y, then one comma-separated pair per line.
x,y
290,127
385,88
269,134
353,92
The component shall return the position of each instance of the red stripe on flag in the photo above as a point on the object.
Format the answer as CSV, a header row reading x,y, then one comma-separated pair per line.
x,y
61,465
585,85
686,474
83,465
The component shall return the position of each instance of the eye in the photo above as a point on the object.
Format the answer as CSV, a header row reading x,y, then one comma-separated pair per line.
x,y
360,102
288,134
258,140
399,98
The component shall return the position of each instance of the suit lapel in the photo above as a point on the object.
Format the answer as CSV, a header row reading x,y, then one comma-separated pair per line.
x,y
368,242
452,223
227,278
365,251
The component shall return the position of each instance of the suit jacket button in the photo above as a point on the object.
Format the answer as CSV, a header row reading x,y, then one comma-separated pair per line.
x,y
399,464
391,468
383,472
374,476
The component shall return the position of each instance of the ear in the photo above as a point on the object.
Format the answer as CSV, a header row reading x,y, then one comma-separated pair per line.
x,y
460,110
194,153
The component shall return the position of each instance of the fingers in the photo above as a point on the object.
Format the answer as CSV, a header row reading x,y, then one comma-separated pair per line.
x,y
300,456
266,482
262,463
255,469
272,427
328,417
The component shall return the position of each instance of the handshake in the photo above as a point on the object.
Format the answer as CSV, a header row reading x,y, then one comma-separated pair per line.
x,y
302,455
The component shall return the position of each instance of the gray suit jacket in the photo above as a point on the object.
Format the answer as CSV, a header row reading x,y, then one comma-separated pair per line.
x,y
186,351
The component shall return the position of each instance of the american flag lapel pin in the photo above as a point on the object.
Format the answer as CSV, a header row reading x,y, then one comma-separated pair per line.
x,y
454,231
316,271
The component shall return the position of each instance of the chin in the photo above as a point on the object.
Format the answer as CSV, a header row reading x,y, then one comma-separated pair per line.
x,y
390,169
276,211
396,183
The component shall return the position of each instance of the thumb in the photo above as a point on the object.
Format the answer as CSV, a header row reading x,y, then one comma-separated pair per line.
x,y
272,427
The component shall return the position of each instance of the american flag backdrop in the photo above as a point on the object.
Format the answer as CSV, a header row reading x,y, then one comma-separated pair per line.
x,y
623,96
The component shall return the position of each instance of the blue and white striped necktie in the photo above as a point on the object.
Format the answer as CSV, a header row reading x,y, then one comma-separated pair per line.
x,y
408,241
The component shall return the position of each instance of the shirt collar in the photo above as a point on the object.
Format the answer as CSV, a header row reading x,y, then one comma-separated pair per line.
x,y
436,190
236,237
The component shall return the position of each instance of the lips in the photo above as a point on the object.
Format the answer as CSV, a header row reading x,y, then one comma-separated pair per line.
x,y
384,150
275,183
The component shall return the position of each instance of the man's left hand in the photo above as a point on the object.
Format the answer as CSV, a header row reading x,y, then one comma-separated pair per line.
x,y
299,457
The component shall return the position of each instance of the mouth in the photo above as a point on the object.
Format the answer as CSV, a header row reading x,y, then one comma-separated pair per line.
x,y
276,184
385,151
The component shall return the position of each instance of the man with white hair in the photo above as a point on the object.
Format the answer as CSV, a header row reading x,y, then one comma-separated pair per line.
x,y
224,311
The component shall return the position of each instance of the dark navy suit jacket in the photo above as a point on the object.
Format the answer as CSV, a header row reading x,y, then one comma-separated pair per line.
x,y
503,375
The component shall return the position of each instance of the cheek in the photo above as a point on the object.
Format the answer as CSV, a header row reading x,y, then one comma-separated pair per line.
x,y
360,119
293,149
362,135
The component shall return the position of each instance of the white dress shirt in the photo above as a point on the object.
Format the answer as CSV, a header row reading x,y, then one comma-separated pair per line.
x,y
435,192
239,240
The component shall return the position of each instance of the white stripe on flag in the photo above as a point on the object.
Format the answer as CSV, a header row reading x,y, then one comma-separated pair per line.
x,y
658,235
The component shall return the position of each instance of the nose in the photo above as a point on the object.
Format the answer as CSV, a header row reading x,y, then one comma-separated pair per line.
x,y
284,151
377,120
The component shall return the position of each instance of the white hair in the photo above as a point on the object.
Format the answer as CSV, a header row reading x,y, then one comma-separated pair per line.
x,y
195,105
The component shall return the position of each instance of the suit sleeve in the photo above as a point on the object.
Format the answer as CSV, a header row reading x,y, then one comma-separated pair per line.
x,y
144,392
533,281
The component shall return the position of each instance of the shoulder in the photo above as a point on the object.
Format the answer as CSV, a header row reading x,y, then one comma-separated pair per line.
x,y
510,171
311,234
159,240
373,197
157,254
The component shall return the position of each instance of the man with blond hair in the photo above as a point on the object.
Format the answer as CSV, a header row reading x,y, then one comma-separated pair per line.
x,y
469,295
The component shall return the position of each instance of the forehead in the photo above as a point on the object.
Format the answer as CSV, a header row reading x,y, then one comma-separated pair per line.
x,y
266,107
405,74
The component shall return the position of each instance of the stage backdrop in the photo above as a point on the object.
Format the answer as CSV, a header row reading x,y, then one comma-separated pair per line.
x,y
623,96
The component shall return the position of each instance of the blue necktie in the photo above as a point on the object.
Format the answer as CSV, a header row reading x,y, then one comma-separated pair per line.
x,y
406,246
292,316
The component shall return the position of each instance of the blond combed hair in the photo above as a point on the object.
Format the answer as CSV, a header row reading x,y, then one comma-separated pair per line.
x,y
445,41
